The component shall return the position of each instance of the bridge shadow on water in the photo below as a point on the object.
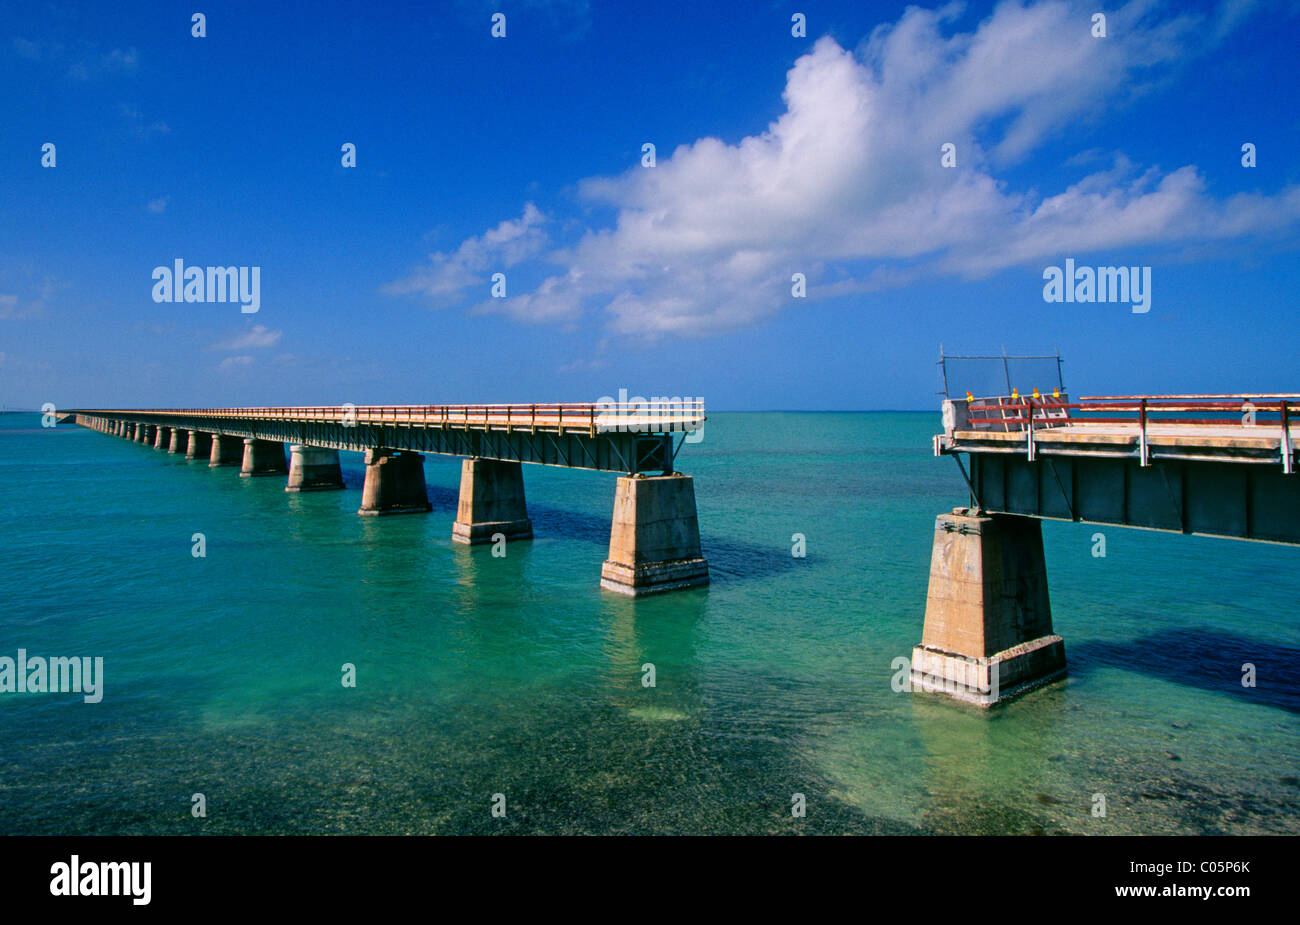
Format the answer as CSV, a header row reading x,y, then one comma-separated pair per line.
x,y
728,558
1203,658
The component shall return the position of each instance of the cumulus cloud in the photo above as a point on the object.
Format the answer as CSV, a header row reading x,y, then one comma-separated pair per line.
x,y
847,186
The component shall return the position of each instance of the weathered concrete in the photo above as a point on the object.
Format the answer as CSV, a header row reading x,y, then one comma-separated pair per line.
x,y
162,437
142,433
226,451
654,541
988,618
262,457
313,468
180,440
491,502
394,483
200,445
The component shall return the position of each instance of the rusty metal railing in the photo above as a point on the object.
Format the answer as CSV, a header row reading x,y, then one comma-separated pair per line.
x,y
649,417
1027,414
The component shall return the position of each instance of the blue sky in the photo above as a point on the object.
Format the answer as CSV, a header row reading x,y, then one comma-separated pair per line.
x,y
775,155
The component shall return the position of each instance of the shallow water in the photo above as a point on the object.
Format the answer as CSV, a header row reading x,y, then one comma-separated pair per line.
x,y
518,675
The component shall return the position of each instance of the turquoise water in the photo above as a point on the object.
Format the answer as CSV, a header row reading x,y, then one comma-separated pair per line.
x,y
479,675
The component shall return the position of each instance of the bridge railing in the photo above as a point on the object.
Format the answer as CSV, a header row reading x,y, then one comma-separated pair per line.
x,y
648,417
1017,414
1022,413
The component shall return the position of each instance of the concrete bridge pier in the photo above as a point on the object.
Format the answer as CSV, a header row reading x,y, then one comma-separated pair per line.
x,y
313,468
180,441
226,451
988,619
491,502
394,483
262,457
199,446
142,433
162,436
654,541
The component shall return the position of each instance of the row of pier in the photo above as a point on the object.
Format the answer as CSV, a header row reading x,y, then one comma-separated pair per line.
x,y
654,535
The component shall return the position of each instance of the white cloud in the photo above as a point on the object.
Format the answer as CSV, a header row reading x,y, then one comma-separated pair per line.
x,y
157,205
257,336
232,362
849,177
117,60
135,120
14,309
446,275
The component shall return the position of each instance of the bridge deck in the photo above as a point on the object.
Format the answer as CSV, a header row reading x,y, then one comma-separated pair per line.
x,y
676,416
607,436
1158,462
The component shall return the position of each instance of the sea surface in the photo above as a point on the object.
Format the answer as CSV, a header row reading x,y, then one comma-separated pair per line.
x,y
517,675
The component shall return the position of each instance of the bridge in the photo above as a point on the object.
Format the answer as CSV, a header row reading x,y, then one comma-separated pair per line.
x,y
1215,465
654,536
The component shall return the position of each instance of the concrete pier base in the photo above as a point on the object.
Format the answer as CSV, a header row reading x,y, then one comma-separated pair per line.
x,y
491,502
394,483
313,468
180,441
162,436
199,446
262,457
988,619
142,433
654,541
226,451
